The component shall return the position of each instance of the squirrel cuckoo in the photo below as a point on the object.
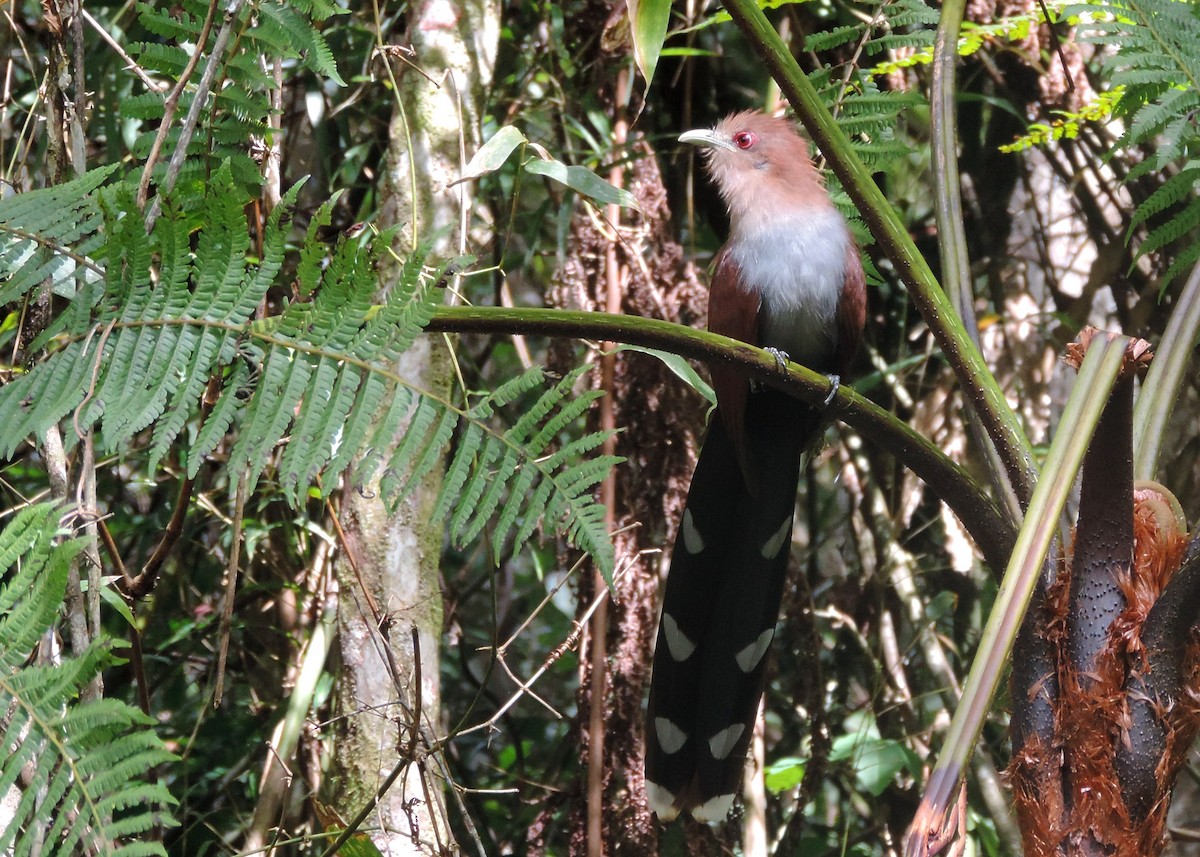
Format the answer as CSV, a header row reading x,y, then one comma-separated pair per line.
x,y
789,279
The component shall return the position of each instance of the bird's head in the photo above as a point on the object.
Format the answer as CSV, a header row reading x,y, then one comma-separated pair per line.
x,y
759,164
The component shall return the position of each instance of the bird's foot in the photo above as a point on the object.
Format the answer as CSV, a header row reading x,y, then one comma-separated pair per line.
x,y
781,357
835,384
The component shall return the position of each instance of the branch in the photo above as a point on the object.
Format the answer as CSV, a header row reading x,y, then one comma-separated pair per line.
x,y
991,529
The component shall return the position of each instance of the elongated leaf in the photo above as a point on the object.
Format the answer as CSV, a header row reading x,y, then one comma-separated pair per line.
x,y
583,181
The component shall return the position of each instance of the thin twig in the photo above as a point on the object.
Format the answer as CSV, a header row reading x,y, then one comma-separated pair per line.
x,y
1057,45
523,688
130,62
231,573
171,104
188,128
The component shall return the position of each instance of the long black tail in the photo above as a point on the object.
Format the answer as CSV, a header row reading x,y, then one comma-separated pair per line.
x,y
720,608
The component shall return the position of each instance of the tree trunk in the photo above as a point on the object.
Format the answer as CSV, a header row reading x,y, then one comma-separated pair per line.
x,y
390,611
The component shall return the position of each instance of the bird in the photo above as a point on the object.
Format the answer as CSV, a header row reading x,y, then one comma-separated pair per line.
x,y
789,279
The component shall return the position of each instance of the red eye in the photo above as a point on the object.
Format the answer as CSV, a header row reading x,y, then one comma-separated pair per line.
x,y
745,139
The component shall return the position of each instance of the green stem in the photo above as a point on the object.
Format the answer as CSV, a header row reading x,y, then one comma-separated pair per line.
x,y
948,210
988,525
1161,388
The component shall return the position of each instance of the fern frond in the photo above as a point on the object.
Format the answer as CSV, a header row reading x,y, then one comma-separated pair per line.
x,y
311,388
490,471
425,437
470,514
834,38
319,10
175,22
168,59
28,602
43,396
1155,62
49,235
79,762
1185,261
282,27
220,418
238,109
1174,229
1174,190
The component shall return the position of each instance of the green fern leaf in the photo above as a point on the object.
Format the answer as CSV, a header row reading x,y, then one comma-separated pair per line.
x,y
468,501
35,228
490,472
319,10
219,419
330,396
292,32
511,512
419,451
170,60
1155,63
79,762
377,430
833,38
1185,261
539,499
33,402
496,485
1174,190
30,598
213,348
174,22
459,470
1174,229
368,409
280,389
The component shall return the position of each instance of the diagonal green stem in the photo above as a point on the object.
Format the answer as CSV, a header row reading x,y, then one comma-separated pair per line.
x,y
1161,388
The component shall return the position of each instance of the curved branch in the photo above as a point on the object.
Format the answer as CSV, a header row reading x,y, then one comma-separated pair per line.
x,y
991,529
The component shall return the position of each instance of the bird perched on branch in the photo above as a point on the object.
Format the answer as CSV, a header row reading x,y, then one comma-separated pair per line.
x,y
789,279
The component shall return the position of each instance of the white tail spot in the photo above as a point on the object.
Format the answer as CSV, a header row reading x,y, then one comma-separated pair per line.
x,y
693,542
721,744
670,737
678,644
748,658
713,810
772,546
662,802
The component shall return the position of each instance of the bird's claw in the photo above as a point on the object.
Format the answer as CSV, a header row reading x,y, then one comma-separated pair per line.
x,y
781,357
835,384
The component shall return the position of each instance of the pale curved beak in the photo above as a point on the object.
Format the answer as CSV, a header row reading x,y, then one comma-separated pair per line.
x,y
707,137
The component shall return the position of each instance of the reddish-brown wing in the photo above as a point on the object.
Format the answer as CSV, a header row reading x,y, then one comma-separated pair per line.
x,y
733,312
851,311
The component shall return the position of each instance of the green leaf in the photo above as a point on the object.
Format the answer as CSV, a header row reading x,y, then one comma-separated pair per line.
x,y
115,601
493,154
83,760
582,181
876,761
681,368
649,19
784,774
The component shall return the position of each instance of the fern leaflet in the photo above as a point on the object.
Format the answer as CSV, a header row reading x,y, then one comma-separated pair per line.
x,y
83,759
